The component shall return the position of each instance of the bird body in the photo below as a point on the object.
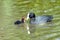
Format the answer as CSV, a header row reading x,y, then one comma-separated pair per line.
x,y
19,21
39,19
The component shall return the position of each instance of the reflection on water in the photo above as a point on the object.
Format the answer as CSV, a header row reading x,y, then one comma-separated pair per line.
x,y
32,27
40,31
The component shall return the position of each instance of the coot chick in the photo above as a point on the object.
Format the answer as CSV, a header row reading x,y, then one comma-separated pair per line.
x,y
19,21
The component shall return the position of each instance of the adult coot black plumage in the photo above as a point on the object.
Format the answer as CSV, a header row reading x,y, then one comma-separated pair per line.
x,y
39,19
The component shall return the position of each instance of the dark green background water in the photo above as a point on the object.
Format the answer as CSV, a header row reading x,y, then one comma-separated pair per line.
x,y
12,10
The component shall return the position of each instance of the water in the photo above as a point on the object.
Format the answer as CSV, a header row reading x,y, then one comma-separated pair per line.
x,y
12,10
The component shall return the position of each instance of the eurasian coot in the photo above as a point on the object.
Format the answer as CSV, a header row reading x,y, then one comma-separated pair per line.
x,y
39,19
